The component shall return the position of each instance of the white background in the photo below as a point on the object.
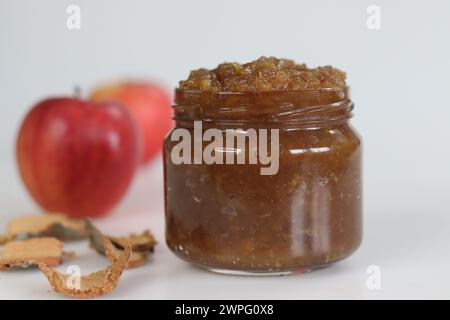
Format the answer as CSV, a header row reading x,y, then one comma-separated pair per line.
x,y
400,82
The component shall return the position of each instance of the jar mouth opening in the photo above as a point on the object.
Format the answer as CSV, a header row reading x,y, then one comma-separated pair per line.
x,y
260,92
306,106
250,99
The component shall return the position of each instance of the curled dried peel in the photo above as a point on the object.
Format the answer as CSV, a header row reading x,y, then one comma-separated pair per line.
x,y
95,237
141,244
47,225
24,253
137,259
95,284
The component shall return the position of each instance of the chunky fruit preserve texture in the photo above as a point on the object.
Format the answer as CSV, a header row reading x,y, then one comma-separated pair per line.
x,y
229,216
264,74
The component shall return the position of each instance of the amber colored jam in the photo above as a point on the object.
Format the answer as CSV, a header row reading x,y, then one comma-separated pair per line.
x,y
307,215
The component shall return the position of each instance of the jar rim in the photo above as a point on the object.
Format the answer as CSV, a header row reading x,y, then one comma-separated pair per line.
x,y
262,92
301,107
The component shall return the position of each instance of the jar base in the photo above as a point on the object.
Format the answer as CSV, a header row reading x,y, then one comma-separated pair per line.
x,y
231,272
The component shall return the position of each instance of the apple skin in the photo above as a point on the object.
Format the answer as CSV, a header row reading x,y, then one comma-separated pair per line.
x,y
150,105
77,157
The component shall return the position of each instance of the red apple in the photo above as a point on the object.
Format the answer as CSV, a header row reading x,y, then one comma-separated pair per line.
x,y
149,103
77,157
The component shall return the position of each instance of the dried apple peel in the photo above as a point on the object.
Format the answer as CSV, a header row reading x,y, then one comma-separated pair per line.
x,y
46,225
95,284
24,253
141,244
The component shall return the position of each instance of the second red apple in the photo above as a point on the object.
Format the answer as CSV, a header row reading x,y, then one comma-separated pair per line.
x,y
149,104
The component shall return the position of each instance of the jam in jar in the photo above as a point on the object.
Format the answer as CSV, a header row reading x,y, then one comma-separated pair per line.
x,y
234,216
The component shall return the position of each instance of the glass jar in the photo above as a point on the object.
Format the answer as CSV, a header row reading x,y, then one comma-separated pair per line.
x,y
233,218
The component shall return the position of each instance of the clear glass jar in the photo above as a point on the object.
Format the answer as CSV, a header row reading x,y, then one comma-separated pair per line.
x,y
231,218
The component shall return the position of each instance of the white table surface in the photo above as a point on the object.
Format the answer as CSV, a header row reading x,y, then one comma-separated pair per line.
x,y
409,242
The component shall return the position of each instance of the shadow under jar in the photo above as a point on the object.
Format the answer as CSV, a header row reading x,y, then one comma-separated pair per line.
x,y
230,218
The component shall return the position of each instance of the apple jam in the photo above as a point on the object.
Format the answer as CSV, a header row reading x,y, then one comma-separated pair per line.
x,y
229,217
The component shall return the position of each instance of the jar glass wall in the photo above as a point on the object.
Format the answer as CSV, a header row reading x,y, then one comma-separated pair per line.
x,y
231,218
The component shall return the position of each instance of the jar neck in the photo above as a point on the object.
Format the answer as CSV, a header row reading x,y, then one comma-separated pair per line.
x,y
296,109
